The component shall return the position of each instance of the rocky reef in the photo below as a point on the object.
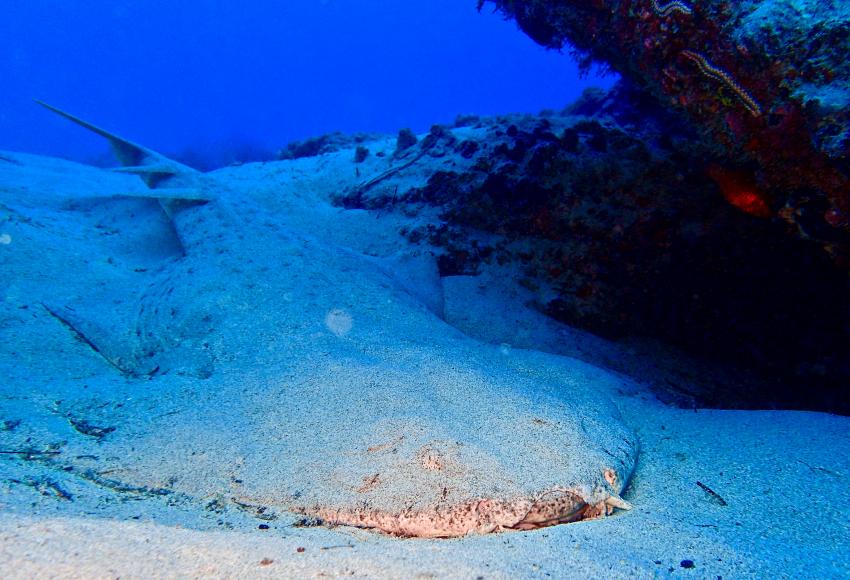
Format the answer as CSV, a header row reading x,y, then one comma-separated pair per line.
x,y
765,83
606,211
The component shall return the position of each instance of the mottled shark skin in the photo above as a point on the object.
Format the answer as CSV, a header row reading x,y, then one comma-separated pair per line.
x,y
275,368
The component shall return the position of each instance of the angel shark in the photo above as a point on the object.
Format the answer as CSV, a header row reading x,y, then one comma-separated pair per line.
x,y
290,356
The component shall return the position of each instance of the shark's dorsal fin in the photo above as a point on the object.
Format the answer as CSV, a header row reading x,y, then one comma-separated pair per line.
x,y
154,168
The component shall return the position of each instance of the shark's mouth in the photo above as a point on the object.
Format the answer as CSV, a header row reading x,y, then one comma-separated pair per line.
x,y
482,516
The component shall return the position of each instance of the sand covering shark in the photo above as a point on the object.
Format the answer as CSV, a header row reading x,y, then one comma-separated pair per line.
x,y
234,337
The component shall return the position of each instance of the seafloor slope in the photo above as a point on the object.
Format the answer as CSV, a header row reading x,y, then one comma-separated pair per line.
x,y
194,387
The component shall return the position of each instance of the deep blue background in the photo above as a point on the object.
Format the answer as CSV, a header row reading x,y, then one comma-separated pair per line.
x,y
214,75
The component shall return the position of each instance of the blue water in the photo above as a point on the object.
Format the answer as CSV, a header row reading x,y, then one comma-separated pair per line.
x,y
212,78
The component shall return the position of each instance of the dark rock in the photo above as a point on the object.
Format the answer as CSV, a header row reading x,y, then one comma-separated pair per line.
x,y
406,139
360,154
467,148
466,121
321,145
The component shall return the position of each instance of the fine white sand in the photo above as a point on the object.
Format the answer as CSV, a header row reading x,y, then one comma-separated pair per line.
x,y
783,476
183,384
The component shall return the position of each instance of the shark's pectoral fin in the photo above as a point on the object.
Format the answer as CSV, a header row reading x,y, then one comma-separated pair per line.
x,y
119,352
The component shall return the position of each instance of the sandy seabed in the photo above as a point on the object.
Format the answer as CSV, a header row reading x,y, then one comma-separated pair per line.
x,y
187,385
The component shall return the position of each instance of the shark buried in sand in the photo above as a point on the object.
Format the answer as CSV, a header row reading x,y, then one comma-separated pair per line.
x,y
278,352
